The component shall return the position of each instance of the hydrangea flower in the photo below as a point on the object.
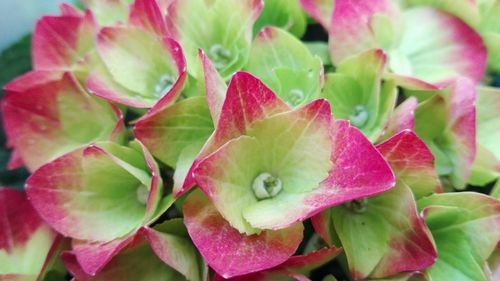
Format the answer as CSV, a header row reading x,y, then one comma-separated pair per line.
x,y
139,63
256,131
121,184
357,26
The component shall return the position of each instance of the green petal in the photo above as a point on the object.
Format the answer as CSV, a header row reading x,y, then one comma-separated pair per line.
x,y
285,64
285,14
455,219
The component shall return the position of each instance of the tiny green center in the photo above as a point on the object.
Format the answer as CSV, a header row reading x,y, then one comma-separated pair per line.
x,y
266,186
220,56
358,205
359,117
164,85
142,194
296,97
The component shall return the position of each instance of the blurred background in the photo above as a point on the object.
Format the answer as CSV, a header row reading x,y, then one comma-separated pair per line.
x,y
17,17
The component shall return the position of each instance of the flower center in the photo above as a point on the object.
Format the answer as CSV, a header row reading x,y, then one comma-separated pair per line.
x,y
359,117
142,194
296,96
164,85
220,56
358,205
266,186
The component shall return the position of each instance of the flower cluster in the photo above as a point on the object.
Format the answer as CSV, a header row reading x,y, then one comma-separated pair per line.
x,y
199,139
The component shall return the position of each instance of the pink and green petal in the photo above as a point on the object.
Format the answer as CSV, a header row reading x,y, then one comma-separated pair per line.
x,y
352,26
412,161
150,68
171,244
63,42
247,101
97,193
447,123
27,244
280,59
136,261
438,57
92,257
352,155
42,114
455,219
379,233
147,14
223,29
213,85
402,118
229,252
320,10
284,14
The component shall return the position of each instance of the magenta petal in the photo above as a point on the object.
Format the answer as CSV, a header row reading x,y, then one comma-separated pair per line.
x,y
92,257
147,14
402,118
320,10
412,162
227,251
350,31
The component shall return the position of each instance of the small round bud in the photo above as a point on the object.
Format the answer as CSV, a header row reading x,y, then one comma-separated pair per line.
x,y
359,117
266,186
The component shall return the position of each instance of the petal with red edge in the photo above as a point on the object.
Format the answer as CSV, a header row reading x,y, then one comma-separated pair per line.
x,y
148,66
359,171
379,234
227,251
44,113
62,42
412,161
320,10
97,193
147,14
26,242
402,118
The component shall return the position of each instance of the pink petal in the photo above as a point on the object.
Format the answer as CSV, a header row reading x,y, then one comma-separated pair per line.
x,y
94,256
412,161
402,118
147,14
227,251
320,10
